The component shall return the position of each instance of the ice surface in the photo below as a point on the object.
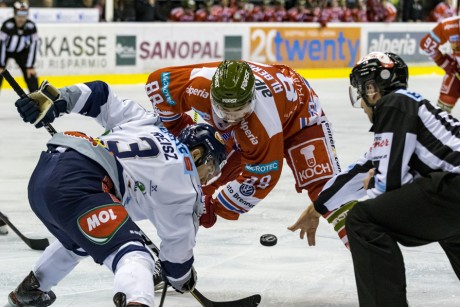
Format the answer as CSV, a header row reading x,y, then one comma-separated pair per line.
x,y
229,259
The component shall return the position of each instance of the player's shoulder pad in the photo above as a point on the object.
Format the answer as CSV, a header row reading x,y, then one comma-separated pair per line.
x,y
412,95
30,25
9,25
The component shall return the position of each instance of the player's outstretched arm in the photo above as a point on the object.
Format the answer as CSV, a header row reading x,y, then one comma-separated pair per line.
x,y
307,222
41,106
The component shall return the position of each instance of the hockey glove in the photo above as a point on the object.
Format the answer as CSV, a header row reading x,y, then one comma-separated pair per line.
x,y
448,63
208,218
41,106
337,219
185,283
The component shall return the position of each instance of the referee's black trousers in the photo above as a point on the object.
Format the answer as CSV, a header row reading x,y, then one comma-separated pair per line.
x,y
21,60
425,211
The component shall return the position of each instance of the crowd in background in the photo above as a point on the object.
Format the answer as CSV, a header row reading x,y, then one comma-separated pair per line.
x,y
322,11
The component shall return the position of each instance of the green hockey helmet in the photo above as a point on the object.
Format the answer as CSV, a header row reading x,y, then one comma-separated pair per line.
x,y
232,91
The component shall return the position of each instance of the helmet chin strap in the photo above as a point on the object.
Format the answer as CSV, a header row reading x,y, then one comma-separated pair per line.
x,y
364,98
366,95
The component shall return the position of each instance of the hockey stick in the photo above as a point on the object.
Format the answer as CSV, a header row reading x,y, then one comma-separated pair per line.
x,y
36,244
9,78
250,301
163,295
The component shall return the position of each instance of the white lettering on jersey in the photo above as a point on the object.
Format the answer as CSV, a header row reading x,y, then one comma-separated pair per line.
x,y
252,138
196,92
101,218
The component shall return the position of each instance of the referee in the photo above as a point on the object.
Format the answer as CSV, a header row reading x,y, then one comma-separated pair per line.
x,y
413,183
18,40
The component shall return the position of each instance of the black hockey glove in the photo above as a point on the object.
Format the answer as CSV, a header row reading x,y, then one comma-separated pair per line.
x,y
41,106
184,284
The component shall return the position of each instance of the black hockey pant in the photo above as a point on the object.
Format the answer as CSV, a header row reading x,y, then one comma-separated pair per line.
x,y
21,59
419,213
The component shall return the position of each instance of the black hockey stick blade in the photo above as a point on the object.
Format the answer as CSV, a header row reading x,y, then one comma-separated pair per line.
x,y
17,88
250,301
36,244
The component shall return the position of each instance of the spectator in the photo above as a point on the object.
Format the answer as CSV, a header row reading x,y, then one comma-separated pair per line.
x,y
359,12
390,11
124,10
331,13
298,12
257,13
185,13
224,10
242,11
100,5
280,11
347,15
268,11
375,11
148,10
313,10
413,11
441,11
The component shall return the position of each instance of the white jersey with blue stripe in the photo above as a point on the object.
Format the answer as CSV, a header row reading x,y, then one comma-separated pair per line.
x,y
157,178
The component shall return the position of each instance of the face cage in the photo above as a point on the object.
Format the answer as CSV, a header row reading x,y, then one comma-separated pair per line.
x,y
21,13
355,97
216,167
355,94
234,115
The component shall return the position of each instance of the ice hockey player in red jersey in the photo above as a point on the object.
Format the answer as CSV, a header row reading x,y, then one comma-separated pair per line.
x,y
265,113
446,31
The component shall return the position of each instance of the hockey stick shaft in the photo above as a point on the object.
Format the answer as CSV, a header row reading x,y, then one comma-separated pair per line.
x,y
17,88
250,301
163,295
36,244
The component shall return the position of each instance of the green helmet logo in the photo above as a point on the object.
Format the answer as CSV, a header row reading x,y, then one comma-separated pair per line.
x,y
232,84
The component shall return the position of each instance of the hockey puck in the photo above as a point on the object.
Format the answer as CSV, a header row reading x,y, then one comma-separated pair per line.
x,y
268,240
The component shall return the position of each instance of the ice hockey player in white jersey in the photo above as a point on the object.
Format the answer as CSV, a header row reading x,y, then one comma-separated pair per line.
x,y
89,191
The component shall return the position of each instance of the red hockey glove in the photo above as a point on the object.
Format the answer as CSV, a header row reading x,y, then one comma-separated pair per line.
x,y
337,219
448,63
208,218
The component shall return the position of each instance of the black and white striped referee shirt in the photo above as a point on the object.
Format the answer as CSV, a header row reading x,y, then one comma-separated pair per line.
x,y
17,40
411,138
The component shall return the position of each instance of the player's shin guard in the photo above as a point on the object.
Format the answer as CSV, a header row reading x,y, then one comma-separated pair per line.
x,y
28,294
133,266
